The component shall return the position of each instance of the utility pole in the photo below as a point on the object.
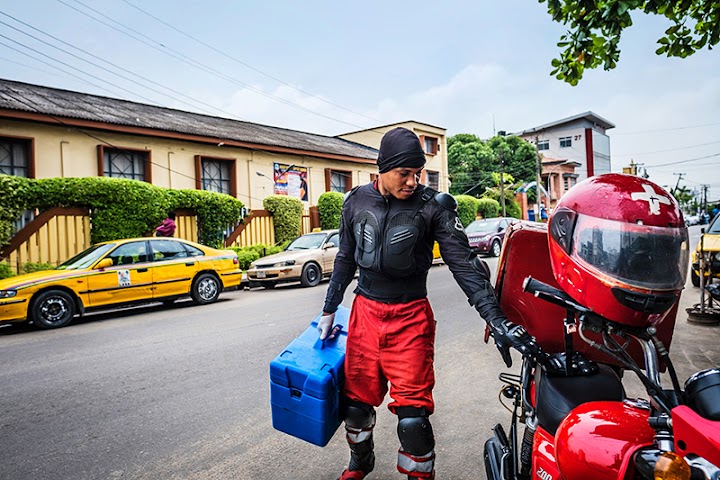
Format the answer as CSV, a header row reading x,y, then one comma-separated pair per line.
x,y
677,185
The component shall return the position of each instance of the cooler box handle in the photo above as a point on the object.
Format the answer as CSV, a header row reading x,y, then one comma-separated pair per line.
x,y
320,344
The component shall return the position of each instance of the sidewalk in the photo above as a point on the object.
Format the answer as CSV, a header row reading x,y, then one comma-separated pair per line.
x,y
694,347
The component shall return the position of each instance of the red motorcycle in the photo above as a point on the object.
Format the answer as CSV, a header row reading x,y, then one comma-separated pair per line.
x,y
608,273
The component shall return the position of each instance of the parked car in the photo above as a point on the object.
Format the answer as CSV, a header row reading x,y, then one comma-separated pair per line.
x,y
711,246
486,236
307,259
120,272
691,220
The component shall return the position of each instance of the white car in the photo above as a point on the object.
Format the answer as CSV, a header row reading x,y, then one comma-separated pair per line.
x,y
307,259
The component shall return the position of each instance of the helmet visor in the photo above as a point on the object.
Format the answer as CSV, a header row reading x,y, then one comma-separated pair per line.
x,y
642,256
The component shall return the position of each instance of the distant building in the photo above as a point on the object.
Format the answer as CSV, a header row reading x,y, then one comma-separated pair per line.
x,y
557,177
48,132
580,139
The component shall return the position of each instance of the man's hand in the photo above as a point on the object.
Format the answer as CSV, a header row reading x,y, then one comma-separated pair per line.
x,y
325,325
506,334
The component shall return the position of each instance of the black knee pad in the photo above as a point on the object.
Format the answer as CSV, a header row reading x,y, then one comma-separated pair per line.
x,y
359,415
416,435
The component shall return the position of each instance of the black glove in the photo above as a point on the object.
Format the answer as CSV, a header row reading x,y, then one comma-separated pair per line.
x,y
506,334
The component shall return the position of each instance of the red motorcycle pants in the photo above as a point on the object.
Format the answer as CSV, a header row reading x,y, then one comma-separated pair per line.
x,y
395,344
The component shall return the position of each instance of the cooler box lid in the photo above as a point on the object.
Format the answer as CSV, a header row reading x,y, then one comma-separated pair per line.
x,y
311,365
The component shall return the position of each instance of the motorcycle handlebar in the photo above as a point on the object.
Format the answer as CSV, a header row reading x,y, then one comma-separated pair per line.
x,y
553,295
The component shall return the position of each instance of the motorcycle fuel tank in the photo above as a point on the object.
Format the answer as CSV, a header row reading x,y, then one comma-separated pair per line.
x,y
525,253
597,440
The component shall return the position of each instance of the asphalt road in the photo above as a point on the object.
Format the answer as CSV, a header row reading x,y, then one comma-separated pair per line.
x,y
183,392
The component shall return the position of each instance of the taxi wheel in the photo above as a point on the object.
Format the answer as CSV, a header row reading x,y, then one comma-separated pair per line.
x,y
694,278
205,289
310,275
52,309
495,249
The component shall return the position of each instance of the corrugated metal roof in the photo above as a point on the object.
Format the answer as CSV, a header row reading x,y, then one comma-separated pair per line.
x,y
67,104
589,115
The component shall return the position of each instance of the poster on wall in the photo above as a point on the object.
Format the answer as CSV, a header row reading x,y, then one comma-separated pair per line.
x,y
291,180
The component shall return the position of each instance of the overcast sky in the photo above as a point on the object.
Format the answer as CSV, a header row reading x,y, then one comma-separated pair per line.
x,y
329,67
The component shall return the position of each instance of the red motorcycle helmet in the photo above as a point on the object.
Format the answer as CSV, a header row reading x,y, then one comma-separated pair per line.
x,y
619,246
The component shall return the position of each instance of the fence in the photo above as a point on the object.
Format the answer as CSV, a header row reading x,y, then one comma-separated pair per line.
x,y
58,234
53,236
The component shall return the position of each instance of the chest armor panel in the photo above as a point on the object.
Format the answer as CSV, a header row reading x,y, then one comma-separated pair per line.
x,y
389,250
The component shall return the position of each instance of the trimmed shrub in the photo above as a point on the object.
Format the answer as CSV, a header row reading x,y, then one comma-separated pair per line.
x,y
247,255
467,209
488,207
287,216
6,271
512,207
330,207
31,267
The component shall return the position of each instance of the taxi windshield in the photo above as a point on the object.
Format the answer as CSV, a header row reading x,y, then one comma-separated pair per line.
x,y
87,258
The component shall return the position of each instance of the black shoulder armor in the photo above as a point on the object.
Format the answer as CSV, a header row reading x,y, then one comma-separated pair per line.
x,y
446,201
350,192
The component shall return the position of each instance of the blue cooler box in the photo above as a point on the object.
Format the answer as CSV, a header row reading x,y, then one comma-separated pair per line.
x,y
305,383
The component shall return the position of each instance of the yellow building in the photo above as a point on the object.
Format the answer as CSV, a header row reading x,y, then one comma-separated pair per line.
x,y
47,132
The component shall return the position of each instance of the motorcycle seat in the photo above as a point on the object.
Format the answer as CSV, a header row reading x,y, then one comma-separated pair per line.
x,y
558,395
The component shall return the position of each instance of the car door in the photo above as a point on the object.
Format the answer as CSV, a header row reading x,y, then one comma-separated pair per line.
x,y
129,279
329,253
173,268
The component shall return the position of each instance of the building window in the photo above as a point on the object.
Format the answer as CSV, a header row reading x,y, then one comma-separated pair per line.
x,y
16,157
337,180
216,174
124,163
566,141
568,183
430,145
543,145
432,179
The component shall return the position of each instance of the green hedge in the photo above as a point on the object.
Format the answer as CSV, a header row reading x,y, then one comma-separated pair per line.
x,y
287,216
330,207
6,271
467,209
512,207
31,267
488,207
119,208
247,255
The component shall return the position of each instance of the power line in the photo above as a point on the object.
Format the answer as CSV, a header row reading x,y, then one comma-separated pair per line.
x,y
51,65
667,150
185,59
685,161
245,64
667,129
109,63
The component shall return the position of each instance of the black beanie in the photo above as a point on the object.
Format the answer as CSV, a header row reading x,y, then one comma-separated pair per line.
x,y
400,148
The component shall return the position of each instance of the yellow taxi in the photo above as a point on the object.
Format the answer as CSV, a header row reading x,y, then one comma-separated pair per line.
x,y
711,247
120,272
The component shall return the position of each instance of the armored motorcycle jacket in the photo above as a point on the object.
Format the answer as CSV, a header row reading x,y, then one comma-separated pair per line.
x,y
390,241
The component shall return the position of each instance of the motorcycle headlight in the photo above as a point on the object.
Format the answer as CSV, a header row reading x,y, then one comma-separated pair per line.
x,y
7,293
717,256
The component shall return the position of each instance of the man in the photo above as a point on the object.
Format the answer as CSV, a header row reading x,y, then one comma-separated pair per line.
x,y
167,227
387,231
